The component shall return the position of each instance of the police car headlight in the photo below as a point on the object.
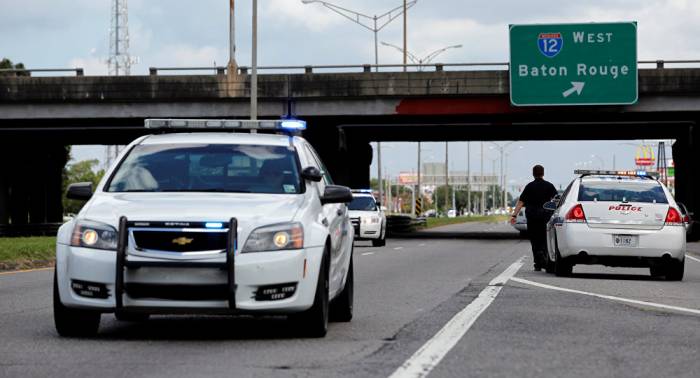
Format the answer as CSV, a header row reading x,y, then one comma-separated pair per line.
x,y
275,238
95,235
370,220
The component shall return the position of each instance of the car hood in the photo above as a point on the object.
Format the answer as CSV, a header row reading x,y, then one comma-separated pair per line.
x,y
361,213
251,210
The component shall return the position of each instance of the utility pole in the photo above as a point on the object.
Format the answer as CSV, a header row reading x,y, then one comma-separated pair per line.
x,y
447,179
405,48
119,61
419,192
482,189
231,38
469,183
379,173
254,66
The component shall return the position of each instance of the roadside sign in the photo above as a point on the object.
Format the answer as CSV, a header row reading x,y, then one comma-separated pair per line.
x,y
573,64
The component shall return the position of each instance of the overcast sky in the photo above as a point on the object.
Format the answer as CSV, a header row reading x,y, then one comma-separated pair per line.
x,y
74,33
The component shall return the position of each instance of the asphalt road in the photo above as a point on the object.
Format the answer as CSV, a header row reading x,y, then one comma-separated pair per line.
x,y
405,293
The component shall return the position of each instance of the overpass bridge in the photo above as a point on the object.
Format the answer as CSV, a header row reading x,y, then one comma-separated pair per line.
x,y
345,111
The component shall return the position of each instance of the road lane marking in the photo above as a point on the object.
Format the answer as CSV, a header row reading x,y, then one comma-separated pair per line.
x,y
398,248
421,245
609,297
25,271
421,363
367,253
692,258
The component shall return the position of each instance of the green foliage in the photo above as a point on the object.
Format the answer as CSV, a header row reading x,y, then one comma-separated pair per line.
x,y
82,171
7,64
437,222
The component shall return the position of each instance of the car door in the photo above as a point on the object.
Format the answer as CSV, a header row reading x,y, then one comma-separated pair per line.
x,y
556,221
336,215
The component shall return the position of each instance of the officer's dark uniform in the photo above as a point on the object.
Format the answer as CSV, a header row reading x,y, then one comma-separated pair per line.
x,y
534,196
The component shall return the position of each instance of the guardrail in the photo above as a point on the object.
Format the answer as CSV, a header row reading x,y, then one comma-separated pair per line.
x,y
309,69
28,71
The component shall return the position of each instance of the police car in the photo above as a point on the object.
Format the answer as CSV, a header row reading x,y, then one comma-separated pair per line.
x,y
367,217
208,223
617,218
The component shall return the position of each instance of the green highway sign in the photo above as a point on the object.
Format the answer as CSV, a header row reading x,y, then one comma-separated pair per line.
x,y
573,64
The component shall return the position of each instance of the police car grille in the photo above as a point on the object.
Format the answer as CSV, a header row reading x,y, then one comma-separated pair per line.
x,y
180,241
355,221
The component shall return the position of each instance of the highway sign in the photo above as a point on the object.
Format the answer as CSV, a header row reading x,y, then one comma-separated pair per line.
x,y
573,64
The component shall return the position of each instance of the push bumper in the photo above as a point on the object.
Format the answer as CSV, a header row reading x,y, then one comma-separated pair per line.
x,y
227,284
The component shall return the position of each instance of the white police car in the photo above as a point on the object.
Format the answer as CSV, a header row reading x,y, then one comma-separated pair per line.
x,y
212,223
367,217
617,218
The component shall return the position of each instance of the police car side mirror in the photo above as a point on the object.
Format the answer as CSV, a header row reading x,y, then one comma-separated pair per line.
x,y
311,174
551,206
336,194
79,191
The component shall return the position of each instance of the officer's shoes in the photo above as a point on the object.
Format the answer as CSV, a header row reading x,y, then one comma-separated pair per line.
x,y
538,268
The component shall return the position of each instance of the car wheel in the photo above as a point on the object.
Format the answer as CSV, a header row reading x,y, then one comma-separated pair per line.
x,y
341,307
656,270
71,322
675,270
562,268
314,321
379,242
131,317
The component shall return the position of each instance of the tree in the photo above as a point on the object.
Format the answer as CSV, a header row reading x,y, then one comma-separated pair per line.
x,y
82,171
7,64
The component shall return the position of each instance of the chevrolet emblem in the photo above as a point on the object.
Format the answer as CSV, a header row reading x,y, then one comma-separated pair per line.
x,y
182,240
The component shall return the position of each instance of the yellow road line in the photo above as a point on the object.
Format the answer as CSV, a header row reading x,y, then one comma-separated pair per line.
x,y
24,271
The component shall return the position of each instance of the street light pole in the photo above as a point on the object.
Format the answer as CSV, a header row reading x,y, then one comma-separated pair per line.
x,y
231,36
419,192
254,66
426,59
372,23
483,191
469,182
404,36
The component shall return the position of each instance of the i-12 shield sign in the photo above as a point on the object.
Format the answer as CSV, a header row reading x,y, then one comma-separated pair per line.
x,y
550,44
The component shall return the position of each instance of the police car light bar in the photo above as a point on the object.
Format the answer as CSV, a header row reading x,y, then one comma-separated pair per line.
x,y
228,124
362,191
638,173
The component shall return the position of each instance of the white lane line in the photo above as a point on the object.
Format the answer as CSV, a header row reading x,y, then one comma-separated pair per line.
x,y
421,245
367,253
692,258
421,363
398,248
610,297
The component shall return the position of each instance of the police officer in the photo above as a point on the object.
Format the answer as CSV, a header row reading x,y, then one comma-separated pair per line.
x,y
534,196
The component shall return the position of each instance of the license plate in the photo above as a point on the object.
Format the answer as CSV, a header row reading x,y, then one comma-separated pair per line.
x,y
624,240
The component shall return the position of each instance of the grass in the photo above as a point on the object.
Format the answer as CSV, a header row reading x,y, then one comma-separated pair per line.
x,y
437,222
27,252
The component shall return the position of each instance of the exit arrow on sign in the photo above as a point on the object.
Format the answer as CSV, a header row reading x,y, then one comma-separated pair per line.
x,y
577,86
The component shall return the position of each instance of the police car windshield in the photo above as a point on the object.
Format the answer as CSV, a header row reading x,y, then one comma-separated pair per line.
x,y
208,168
622,191
363,204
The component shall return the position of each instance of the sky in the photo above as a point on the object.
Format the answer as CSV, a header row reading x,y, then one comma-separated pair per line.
x,y
166,33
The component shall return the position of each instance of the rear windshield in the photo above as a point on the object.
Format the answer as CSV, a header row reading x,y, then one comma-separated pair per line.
x,y
208,168
363,204
621,191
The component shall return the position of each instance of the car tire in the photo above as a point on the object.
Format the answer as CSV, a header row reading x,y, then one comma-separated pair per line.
x,y
548,263
341,307
71,322
314,321
657,271
562,268
675,270
131,317
381,241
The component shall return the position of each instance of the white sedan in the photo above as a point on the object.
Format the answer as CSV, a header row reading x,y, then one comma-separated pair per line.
x,y
212,223
616,219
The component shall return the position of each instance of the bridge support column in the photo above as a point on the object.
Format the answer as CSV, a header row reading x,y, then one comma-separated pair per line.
x,y
686,157
31,189
347,159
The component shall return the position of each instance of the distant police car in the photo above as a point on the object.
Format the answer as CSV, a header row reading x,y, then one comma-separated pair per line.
x,y
209,222
367,218
617,218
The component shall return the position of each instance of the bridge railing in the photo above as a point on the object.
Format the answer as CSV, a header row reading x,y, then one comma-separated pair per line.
x,y
335,68
29,71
